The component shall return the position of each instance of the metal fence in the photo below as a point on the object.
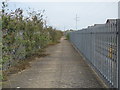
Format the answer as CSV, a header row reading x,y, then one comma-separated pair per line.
x,y
99,45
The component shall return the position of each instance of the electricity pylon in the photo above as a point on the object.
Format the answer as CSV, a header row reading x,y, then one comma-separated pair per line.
x,y
76,19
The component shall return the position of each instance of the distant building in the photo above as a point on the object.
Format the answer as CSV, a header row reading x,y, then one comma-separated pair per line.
x,y
111,21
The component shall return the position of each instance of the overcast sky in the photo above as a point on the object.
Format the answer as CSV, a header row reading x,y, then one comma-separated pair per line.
x,y
61,15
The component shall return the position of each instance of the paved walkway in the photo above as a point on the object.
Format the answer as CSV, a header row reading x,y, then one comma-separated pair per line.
x,y
63,68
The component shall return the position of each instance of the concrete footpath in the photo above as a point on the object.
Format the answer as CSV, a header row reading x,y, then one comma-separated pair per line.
x,y
63,68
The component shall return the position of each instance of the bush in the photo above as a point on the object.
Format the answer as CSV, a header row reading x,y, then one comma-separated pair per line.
x,y
67,36
23,37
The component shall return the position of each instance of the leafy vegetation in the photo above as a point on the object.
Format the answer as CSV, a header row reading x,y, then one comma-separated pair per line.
x,y
23,37
67,36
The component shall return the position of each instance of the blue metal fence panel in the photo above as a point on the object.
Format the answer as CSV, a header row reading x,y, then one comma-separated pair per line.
x,y
99,45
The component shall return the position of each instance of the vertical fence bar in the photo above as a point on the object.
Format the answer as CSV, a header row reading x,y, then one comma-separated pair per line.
x,y
118,59
118,27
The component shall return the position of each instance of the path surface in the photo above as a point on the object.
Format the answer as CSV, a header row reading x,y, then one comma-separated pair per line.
x,y
63,68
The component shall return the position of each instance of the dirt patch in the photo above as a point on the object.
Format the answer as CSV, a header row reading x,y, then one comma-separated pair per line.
x,y
65,39
53,43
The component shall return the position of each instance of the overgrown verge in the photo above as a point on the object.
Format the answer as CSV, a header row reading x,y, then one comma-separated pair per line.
x,y
23,37
67,36
23,64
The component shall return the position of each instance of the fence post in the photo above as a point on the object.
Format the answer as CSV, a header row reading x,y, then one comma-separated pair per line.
x,y
118,27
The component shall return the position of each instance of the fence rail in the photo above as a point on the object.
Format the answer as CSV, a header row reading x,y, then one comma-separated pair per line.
x,y
99,45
